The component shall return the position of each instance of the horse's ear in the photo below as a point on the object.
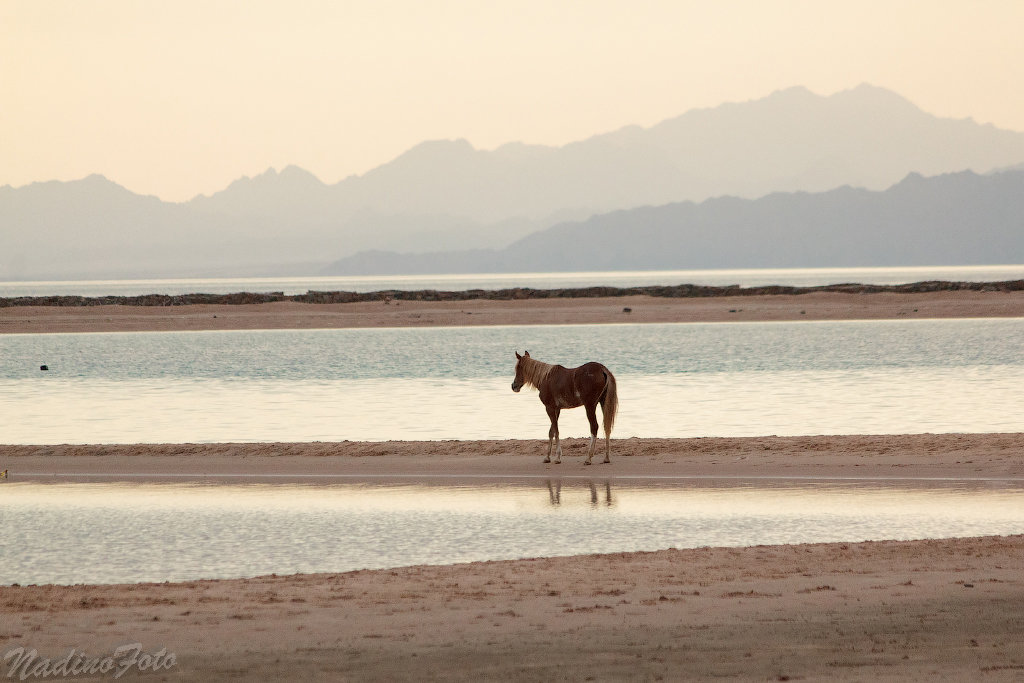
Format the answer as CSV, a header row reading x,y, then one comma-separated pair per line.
x,y
526,353
518,356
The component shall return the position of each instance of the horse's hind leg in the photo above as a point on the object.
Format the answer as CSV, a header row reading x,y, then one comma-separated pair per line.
x,y
607,439
592,417
553,436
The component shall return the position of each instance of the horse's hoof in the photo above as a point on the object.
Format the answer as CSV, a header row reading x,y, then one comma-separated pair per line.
x,y
587,462
547,460
606,462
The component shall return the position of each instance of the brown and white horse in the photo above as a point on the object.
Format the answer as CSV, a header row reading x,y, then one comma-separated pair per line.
x,y
559,387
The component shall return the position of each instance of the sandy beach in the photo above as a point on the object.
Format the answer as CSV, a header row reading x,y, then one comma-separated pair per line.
x,y
642,309
884,610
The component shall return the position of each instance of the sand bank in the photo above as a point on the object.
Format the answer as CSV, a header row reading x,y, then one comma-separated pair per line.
x,y
914,456
642,309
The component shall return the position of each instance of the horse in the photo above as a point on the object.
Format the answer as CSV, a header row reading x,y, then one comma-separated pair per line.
x,y
587,385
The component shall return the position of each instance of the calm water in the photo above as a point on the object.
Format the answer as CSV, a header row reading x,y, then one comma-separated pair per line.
x,y
113,533
675,380
803,277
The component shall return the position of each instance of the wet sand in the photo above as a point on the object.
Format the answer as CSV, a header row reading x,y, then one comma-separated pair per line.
x,y
643,309
920,610
914,456
878,611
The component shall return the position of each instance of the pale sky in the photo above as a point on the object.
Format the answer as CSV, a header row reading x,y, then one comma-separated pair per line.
x,y
181,97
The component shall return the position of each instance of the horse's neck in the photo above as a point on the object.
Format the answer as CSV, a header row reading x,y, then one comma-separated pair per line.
x,y
536,372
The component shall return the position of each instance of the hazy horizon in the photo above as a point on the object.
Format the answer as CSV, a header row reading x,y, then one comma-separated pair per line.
x,y
178,100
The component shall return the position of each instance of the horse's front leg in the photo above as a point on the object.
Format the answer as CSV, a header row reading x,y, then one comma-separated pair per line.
x,y
553,435
592,417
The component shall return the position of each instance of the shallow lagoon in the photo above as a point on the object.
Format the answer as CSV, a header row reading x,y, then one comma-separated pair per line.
x,y
131,532
675,380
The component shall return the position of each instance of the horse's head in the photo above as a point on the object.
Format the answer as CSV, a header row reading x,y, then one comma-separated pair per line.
x,y
517,383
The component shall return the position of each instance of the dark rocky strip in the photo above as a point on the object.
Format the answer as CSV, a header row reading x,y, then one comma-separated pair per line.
x,y
342,297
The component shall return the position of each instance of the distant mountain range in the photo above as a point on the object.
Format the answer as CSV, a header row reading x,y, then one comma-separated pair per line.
x,y
961,218
518,201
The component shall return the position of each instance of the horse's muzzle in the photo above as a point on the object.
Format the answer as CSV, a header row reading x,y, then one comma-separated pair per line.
x,y
516,388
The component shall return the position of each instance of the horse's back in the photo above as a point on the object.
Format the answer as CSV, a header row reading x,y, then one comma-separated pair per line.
x,y
590,379
593,369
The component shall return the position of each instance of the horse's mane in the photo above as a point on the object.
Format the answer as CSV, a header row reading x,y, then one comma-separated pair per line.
x,y
535,371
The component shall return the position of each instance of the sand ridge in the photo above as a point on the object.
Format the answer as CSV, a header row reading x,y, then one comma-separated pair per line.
x,y
907,456
597,310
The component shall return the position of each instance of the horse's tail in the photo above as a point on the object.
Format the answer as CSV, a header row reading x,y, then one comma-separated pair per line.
x,y
610,403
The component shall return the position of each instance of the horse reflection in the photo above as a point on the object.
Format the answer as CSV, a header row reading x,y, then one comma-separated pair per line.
x,y
555,493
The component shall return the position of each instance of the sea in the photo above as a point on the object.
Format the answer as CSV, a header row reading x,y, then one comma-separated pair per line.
x,y
752,277
674,380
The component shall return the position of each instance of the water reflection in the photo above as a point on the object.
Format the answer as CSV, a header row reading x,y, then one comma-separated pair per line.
x,y
130,532
555,493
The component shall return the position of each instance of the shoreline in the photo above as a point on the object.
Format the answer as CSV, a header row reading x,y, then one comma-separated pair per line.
x,y
552,310
878,610
886,457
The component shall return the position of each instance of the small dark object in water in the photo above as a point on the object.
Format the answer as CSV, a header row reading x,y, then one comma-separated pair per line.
x,y
43,367
627,309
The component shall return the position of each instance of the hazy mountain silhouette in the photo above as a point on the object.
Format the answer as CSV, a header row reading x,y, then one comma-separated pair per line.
x,y
961,218
791,140
446,195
